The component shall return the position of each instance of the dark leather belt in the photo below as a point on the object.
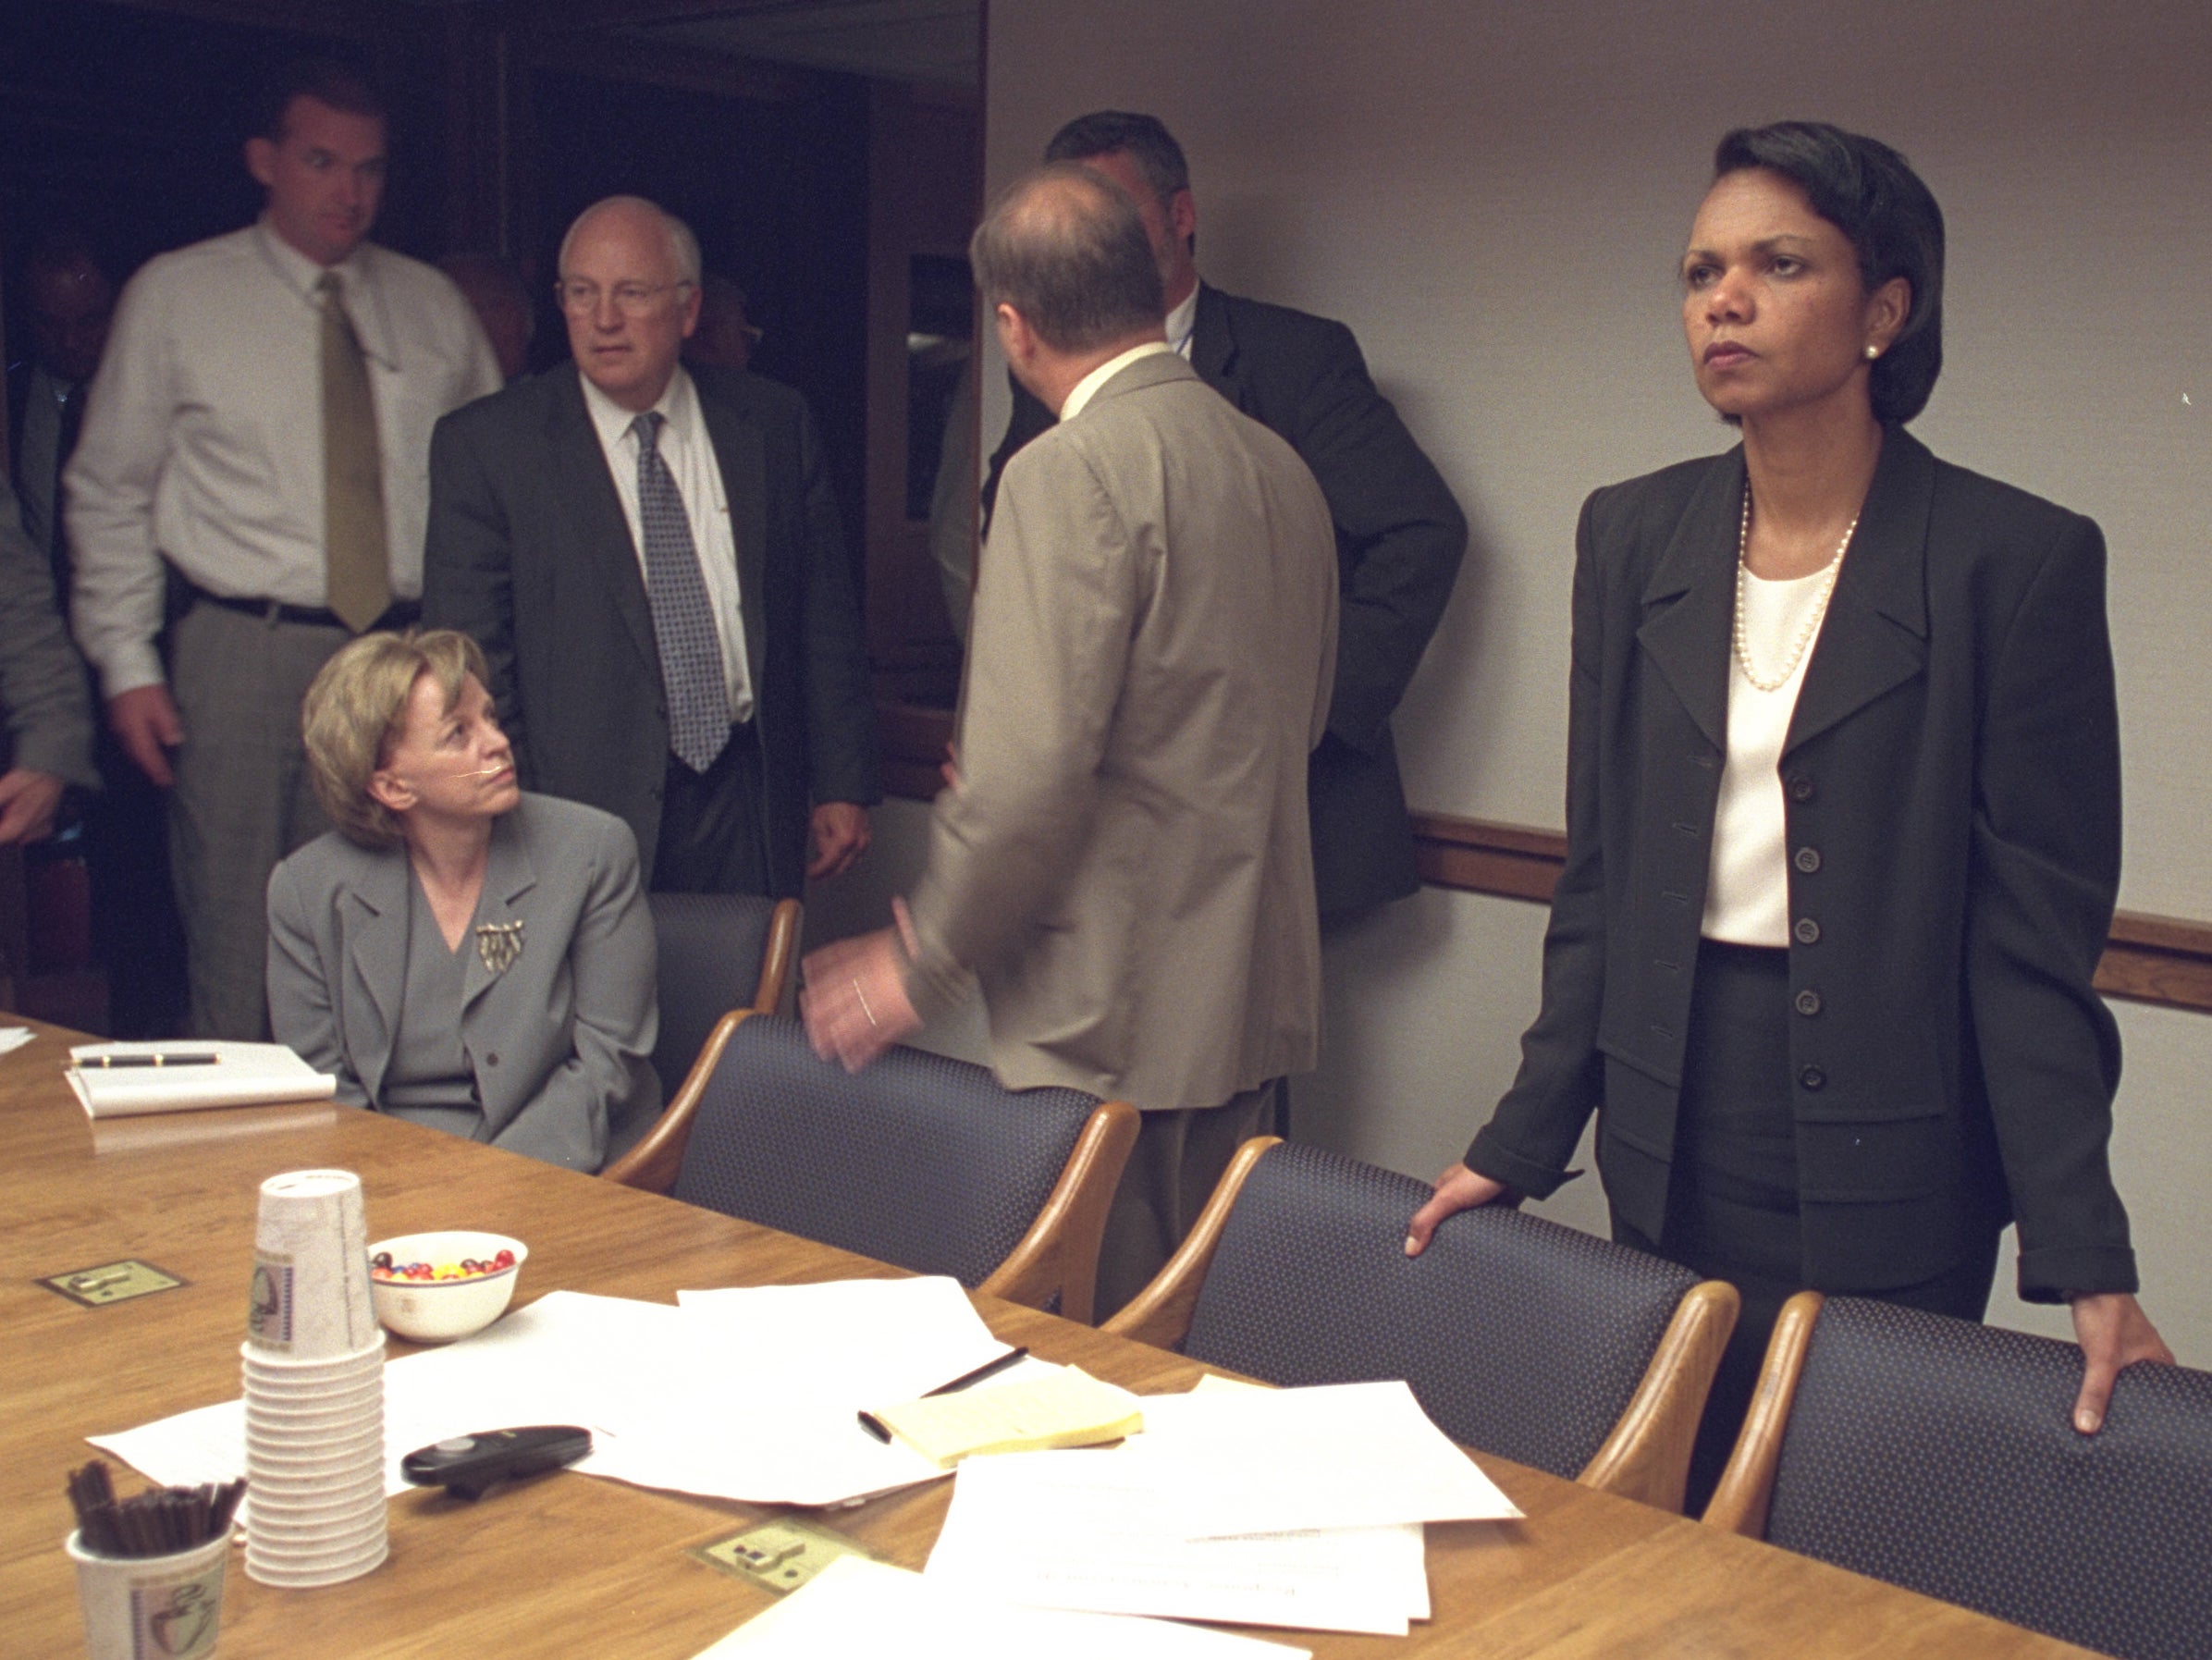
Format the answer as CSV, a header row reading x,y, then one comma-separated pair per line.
x,y
400,614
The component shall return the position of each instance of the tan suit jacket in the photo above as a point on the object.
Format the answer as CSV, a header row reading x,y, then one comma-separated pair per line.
x,y
1125,862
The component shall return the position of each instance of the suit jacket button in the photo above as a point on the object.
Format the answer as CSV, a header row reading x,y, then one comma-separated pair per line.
x,y
1807,859
1807,931
1801,788
491,1060
1812,1078
1808,1002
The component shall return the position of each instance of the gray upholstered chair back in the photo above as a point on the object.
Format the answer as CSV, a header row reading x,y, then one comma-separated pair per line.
x,y
919,1160
709,960
1938,1454
1519,1336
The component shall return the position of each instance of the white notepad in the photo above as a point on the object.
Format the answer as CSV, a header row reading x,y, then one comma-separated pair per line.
x,y
242,1075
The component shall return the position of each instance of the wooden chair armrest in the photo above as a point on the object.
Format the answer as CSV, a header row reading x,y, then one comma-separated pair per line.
x,y
1747,1486
1647,1457
653,1162
1060,1252
778,956
1160,1315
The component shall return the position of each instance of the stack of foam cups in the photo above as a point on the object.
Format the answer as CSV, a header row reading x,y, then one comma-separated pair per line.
x,y
315,1387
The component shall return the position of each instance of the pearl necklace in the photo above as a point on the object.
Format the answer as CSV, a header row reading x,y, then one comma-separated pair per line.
x,y
1811,627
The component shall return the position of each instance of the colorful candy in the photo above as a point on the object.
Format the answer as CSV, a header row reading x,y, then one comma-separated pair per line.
x,y
382,1267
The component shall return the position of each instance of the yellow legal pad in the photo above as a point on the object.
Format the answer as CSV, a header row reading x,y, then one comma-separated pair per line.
x,y
1067,1408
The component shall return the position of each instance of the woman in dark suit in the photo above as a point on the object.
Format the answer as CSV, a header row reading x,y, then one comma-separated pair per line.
x,y
458,953
1843,817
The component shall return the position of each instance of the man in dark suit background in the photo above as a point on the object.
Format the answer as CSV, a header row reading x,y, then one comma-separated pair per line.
x,y
1399,533
69,300
651,560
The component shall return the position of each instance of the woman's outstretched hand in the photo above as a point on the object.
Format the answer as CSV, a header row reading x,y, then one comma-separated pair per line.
x,y
1457,1189
2114,1334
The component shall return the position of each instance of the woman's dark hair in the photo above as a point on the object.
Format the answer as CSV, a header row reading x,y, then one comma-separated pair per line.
x,y
1871,194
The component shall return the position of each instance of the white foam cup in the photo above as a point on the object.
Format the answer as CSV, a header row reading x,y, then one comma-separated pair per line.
x,y
334,1417
150,1607
267,1367
277,1561
292,1577
310,1268
352,1462
321,1533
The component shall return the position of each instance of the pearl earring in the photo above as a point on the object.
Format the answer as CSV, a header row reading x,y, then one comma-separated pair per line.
x,y
1873,353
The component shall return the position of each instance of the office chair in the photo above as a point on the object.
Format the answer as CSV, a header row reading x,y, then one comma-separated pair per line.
x,y
716,951
1940,1454
1519,1337
919,1160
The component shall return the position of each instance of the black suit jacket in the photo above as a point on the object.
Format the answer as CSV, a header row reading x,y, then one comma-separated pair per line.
x,y
529,551
1399,538
1951,781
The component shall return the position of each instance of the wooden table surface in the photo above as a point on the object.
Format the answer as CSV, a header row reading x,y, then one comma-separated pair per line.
x,y
570,1565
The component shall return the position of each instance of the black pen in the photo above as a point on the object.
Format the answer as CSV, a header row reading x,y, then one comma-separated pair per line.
x,y
874,1425
103,1061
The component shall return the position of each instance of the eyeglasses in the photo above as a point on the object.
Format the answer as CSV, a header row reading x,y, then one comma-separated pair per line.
x,y
581,299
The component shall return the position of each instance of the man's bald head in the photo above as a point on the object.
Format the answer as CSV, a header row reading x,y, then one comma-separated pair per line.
x,y
634,216
1065,248
630,294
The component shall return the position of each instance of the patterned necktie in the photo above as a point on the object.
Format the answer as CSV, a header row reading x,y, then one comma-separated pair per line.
x,y
356,554
57,530
691,652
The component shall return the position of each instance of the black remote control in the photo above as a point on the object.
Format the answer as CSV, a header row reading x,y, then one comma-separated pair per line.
x,y
471,1466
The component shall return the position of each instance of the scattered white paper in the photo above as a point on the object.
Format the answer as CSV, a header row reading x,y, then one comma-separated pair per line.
x,y
752,1395
13,1038
1092,1531
1294,1507
856,1606
1338,1456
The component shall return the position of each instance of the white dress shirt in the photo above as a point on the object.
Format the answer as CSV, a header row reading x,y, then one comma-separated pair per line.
x,y
688,449
203,431
1182,320
1088,387
1746,885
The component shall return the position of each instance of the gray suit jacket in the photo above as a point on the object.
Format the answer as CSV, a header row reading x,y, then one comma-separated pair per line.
x,y
1125,863
41,678
560,1040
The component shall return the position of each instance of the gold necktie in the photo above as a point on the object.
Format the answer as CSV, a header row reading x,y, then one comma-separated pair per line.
x,y
355,553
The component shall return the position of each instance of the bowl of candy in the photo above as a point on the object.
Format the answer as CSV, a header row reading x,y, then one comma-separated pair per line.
x,y
435,1287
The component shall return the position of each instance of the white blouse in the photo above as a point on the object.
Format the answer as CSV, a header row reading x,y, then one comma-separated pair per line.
x,y
1747,884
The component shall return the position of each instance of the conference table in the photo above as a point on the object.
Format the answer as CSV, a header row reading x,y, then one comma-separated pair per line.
x,y
568,1564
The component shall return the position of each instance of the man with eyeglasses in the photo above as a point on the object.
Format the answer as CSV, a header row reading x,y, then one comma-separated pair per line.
x,y
259,431
1399,533
650,556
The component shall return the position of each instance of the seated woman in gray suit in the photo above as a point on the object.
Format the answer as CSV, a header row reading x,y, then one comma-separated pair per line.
x,y
458,953
1843,817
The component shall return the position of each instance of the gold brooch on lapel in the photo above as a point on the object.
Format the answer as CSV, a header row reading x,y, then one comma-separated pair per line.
x,y
499,944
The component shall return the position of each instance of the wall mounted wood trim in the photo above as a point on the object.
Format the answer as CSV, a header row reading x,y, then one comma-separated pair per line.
x,y
2149,959
2164,960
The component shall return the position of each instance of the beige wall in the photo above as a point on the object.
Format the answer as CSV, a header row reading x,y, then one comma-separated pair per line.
x,y
1495,197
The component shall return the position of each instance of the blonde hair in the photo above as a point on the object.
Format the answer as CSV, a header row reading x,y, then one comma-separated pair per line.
x,y
357,708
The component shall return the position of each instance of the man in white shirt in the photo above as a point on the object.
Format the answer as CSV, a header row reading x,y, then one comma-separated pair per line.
x,y
650,558
260,430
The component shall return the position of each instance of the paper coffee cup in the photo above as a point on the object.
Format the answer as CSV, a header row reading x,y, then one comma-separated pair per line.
x,y
310,1268
150,1607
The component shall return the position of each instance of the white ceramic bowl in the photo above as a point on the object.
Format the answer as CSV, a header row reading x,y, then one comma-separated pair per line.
x,y
440,1311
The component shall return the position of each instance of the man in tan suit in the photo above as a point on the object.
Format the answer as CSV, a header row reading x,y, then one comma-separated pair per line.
x,y
1122,859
